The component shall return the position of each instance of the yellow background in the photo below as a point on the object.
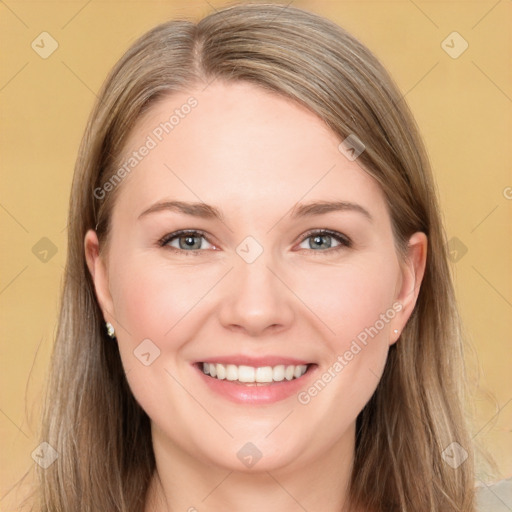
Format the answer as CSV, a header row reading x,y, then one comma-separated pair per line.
x,y
463,107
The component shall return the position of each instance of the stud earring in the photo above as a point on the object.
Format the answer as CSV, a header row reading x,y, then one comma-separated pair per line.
x,y
395,331
110,330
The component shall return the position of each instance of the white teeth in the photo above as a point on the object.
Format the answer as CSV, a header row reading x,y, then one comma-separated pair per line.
x,y
245,374
264,374
278,374
248,374
221,371
231,372
288,373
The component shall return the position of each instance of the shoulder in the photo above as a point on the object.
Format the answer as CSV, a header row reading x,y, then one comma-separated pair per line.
x,y
496,497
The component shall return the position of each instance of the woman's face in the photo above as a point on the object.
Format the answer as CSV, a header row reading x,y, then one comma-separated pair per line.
x,y
257,284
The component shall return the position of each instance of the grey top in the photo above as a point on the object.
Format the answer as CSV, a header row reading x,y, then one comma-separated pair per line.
x,y
496,497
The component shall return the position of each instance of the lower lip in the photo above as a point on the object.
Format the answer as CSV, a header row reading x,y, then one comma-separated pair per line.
x,y
253,394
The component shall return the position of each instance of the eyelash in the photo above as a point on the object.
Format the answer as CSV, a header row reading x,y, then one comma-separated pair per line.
x,y
343,240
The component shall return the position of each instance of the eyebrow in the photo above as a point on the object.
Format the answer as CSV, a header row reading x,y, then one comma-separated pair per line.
x,y
207,211
202,210
323,207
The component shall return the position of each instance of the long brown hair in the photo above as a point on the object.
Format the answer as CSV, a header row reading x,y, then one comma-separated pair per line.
x,y
91,418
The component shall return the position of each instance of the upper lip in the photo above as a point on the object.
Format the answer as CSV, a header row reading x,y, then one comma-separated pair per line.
x,y
256,362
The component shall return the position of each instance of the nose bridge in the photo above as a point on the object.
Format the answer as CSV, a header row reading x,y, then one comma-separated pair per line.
x,y
256,299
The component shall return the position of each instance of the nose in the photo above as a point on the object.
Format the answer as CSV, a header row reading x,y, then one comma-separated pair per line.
x,y
256,300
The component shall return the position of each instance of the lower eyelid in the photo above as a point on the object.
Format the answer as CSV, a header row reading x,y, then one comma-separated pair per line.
x,y
167,239
343,241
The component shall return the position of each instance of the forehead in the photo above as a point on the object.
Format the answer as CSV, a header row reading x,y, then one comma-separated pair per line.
x,y
238,145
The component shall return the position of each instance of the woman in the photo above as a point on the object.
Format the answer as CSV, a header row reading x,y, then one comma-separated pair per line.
x,y
257,311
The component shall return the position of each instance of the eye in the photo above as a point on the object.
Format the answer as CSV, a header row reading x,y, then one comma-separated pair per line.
x,y
191,241
324,240
185,240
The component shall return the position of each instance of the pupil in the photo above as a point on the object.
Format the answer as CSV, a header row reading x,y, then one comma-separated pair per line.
x,y
189,241
319,239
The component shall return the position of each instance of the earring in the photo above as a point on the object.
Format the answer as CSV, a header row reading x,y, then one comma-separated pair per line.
x,y
110,330
395,331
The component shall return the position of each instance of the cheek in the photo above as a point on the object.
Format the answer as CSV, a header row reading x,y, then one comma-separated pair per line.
x,y
150,301
357,306
152,298
349,298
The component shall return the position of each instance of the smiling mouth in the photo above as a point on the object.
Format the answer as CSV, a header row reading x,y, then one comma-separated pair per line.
x,y
250,375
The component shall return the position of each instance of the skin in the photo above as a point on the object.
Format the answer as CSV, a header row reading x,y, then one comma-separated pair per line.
x,y
253,155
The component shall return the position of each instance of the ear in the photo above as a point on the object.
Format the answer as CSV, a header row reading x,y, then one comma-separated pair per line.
x,y
412,272
97,268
